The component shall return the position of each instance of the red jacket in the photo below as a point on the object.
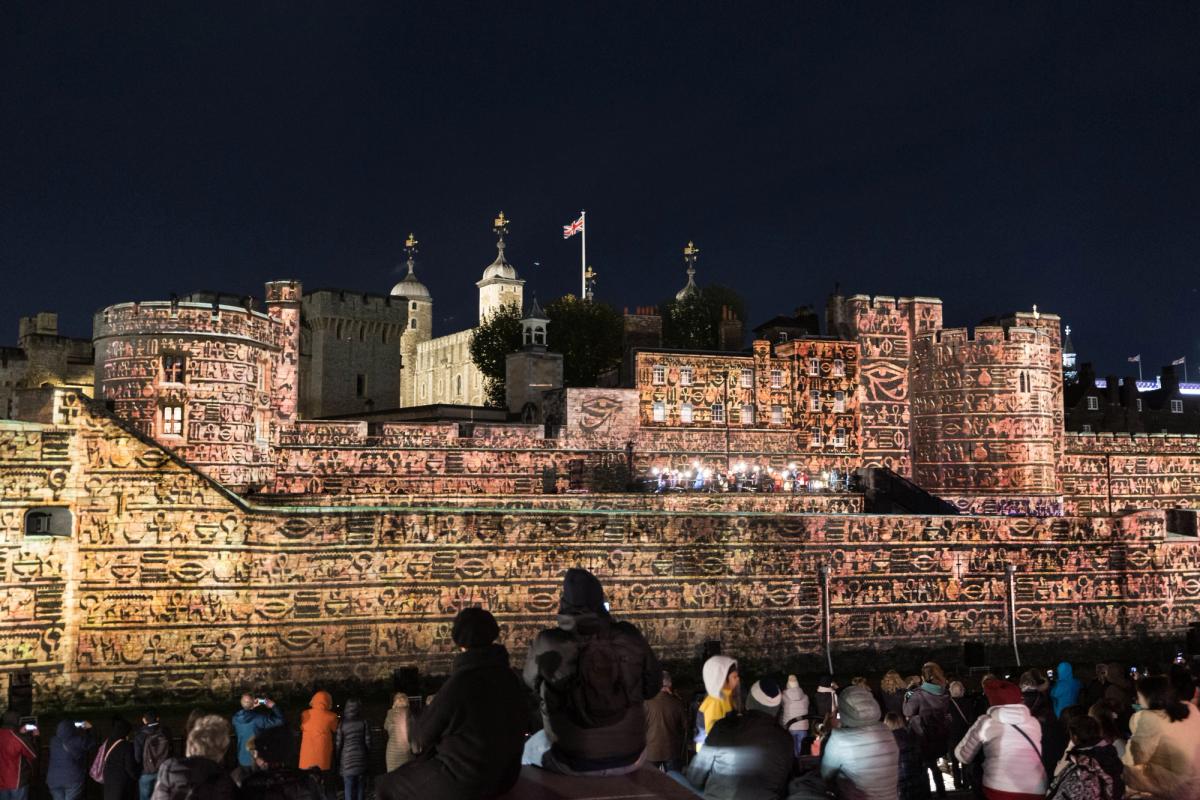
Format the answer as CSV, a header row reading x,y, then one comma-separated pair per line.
x,y
12,749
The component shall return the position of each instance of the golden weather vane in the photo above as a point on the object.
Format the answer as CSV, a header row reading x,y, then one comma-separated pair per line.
x,y
500,226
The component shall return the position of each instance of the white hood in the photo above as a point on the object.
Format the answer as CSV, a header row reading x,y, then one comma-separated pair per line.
x,y
716,669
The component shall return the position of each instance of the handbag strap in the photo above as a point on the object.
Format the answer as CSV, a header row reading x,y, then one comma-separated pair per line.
x,y
1036,749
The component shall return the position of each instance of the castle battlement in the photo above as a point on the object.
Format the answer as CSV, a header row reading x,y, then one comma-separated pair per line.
x,y
166,318
984,335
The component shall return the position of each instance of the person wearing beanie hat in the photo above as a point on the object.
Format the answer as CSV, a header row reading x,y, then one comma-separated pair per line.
x,y
472,733
1011,740
746,756
592,675
721,683
861,757
795,713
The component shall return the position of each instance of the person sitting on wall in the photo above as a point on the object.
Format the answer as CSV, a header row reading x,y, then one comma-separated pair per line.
x,y
255,716
471,735
592,675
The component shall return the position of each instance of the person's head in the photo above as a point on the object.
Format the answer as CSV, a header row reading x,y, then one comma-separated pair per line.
x,y
474,627
10,720
1182,682
208,738
893,721
149,716
193,715
247,701
765,698
857,707
720,675
272,747
957,689
400,700
1156,694
1085,731
353,708
793,682
1071,712
1002,693
120,729
858,680
912,681
892,682
932,673
1033,680
1103,713
582,593
666,681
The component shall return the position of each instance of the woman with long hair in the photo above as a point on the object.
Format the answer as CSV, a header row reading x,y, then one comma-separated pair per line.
x,y
395,725
891,693
1163,755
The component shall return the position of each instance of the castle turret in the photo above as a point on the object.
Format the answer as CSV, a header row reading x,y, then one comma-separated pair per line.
x,y
418,328
500,285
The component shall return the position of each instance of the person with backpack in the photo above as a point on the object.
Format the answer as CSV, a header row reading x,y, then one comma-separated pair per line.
x,y
115,766
927,707
592,674
198,775
17,757
353,747
471,734
1010,739
1091,768
70,753
151,747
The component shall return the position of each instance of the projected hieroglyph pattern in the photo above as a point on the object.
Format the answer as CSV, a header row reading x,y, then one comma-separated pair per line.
x,y
167,583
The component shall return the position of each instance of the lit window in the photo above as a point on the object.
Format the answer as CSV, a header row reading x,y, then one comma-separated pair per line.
x,y
660,374
1176,406
783,336
814,400
747,378
172,420
814,366
173,367
748,414
1093,404
718,413
685,413
1087,428
660,411
814,437
839,368
1139,404
839,437
776,379
839,402
685,376
776,415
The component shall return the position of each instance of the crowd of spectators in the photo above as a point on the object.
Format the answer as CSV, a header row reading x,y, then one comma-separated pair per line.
x,y
592,700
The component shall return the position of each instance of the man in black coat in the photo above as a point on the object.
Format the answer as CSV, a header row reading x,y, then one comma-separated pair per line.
x,y
472,734
593,675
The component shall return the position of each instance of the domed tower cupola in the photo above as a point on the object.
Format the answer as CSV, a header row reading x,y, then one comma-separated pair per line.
x,y
690,254
533,328
500,285
410,287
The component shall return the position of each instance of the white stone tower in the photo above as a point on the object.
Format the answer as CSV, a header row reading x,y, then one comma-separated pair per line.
x,y
417,329
500,284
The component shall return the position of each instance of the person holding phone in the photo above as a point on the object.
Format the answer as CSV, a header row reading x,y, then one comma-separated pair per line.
x,y
17,757
73,743
257,714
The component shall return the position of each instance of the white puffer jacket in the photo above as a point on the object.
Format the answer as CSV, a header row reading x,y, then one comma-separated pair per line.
x,y
795,705
1011,764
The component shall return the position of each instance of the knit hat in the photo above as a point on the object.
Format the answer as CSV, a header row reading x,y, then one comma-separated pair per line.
x,y
474,627
581,592
792,682
1002,693
858,707
765,697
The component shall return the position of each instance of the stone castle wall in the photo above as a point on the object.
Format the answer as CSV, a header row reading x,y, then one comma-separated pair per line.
x,y
167,583
1108,473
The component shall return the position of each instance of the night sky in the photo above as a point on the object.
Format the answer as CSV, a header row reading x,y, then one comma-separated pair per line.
x,y
994,155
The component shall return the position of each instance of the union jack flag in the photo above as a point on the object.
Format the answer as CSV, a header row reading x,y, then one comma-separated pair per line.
x,y
572,229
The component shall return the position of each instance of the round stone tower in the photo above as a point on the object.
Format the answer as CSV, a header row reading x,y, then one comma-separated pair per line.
x,y
419,326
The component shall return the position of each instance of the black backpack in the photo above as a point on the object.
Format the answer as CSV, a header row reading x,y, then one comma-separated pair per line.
x,y
597,694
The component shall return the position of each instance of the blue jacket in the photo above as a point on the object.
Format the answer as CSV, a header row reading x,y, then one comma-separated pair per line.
x,y
247,724
1065,692
70,755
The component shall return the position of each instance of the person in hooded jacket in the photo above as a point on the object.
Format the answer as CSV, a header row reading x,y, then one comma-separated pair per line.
x,y
927,708
593,675
121,771
353,744
471,736
1066,689
795,713
18,753
747,756
318,723
199,774
272,777
253,718
395,725
71,752
861,759
721,681
1010,739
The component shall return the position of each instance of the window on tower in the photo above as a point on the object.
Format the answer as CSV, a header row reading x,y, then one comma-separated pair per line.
x,y
172,420
174,367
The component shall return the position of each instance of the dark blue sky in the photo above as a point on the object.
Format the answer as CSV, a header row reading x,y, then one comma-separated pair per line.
x,y
993,154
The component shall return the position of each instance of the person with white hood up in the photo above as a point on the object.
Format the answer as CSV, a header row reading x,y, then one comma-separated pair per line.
x,y
1011,740
720,684
795,712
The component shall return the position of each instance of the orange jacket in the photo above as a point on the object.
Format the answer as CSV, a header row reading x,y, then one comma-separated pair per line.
x,y
317,725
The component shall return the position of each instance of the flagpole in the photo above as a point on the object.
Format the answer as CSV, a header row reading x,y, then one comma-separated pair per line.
x,y
583,256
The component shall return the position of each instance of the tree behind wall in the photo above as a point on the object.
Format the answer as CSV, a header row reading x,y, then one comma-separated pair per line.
x,y
497,335
693,322
588,334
